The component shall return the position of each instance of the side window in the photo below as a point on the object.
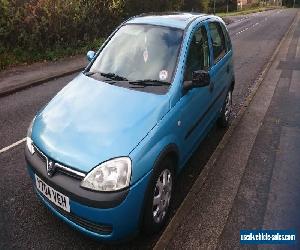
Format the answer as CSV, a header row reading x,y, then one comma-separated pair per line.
x,y
198,55
218,41
227,38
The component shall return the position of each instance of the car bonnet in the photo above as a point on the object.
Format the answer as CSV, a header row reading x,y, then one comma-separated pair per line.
x,y
89,122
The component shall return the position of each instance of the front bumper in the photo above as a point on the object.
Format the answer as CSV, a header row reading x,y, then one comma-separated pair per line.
x,y
103,219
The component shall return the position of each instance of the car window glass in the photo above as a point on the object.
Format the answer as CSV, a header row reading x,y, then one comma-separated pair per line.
x,y
218,41
198,55
227,38
138,52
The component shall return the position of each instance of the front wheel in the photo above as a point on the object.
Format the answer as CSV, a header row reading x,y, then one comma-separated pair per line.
x,y
224,118
159,197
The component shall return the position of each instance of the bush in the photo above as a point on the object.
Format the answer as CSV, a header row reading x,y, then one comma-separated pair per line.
x,y
32,30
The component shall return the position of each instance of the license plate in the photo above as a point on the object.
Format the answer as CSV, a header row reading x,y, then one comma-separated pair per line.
x,y
54,196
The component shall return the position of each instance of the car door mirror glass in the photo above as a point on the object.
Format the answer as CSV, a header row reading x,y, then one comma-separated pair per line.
x,y
200,78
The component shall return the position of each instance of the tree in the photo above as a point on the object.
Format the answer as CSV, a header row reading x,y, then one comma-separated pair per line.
x,y
196,5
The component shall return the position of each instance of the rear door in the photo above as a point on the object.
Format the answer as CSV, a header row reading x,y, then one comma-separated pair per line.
x,y
221,64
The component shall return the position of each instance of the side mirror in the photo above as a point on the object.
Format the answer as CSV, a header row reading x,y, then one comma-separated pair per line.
x,y
90,55
200,78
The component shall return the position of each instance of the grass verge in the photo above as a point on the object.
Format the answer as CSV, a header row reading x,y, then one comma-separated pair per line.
x,y
247,11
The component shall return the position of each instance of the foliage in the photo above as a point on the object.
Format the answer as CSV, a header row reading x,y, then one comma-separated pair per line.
x,y
290,3
22,56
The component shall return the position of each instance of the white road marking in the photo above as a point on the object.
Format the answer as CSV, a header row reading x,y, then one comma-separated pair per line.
x,y
252,26
12,145
240,20
242,31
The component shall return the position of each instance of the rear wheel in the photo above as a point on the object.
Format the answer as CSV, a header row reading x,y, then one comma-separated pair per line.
x,y
159,196
224,118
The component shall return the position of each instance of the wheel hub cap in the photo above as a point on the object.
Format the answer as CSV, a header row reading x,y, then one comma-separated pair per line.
x,y
162,195
228,104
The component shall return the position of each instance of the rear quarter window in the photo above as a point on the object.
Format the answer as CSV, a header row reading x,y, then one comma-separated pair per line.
x,y
227,38
218,41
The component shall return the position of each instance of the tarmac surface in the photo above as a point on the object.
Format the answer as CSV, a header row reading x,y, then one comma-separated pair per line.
x,y
25,223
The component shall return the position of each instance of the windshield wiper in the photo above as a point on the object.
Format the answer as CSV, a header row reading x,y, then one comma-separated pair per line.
x,y
112,76
149,82
142,83
89,73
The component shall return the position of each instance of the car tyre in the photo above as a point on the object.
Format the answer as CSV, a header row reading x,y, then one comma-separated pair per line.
x,y
224,119
159,197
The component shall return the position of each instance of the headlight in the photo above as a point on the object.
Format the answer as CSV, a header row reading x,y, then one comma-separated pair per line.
x,y
111,175
29,142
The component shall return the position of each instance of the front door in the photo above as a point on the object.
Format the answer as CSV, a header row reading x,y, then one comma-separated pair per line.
x,y
195,116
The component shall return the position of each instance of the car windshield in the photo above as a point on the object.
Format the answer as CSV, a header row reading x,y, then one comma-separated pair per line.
x,y
139,52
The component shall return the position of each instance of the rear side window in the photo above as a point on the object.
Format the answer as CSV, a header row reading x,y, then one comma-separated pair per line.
x,y
227,38
218,41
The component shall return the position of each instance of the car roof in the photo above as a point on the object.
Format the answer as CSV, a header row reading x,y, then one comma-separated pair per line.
x,y
170,19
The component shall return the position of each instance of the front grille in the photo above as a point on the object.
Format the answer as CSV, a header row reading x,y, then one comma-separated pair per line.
x,y
59,167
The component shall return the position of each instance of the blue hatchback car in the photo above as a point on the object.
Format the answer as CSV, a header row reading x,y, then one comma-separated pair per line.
x,y
104,153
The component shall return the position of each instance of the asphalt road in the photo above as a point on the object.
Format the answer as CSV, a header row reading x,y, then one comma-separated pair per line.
x,y
25,223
